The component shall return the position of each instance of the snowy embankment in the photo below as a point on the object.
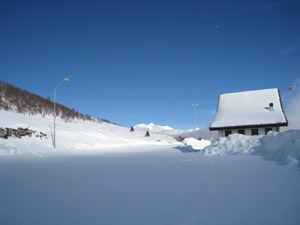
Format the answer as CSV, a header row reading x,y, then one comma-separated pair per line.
x,y
280,147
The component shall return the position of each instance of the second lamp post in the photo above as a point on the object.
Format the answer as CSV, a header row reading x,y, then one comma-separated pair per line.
x,y
64,80
195,105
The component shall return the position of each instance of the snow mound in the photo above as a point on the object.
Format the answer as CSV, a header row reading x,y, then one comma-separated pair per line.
x,y
280,147
233,144
196,144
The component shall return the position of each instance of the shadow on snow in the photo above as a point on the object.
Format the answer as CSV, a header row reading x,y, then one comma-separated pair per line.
x,y
187,149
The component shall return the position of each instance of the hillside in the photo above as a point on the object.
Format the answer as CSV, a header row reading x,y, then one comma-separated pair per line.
x,y
18,100
76,135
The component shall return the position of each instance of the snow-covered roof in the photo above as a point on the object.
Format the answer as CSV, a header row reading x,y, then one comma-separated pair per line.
x,y
249,109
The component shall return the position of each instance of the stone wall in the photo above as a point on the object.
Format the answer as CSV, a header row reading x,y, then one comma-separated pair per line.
x,y
20,132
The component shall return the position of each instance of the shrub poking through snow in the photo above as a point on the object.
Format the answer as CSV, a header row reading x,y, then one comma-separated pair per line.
x,y
179,138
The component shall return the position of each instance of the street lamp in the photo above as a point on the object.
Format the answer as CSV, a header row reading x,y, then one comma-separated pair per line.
x,y
195,105
64,80
289,89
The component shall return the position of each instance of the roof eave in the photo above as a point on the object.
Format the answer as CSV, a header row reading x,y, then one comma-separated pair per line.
x,y
249,126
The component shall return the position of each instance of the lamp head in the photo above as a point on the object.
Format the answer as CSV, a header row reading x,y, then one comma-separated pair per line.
x,y
292,87
66,79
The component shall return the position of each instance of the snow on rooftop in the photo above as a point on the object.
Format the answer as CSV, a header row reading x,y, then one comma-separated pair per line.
x,y
249,108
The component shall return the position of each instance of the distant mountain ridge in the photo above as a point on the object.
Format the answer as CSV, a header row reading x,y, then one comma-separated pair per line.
x,y
154,127
16,99
167,130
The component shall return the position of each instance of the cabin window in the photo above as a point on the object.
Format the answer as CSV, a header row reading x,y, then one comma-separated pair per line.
x,y
241,132
254,132
227,132
268,129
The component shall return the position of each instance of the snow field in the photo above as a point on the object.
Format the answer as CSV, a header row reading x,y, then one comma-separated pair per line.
x,y
147,181
164,187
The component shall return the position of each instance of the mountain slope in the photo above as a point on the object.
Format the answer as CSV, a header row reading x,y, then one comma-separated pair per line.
x,y
18,100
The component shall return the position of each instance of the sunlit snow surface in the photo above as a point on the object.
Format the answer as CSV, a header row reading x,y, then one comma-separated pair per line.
x,y
166,187
156,181
73,136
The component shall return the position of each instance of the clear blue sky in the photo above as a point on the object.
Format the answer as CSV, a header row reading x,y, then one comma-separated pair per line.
x,y
147,61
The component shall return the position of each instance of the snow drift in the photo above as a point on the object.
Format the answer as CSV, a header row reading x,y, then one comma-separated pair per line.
x,y
196,144
280,147
233,144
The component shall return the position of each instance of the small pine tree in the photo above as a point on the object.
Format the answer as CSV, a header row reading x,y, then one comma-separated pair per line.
x,y
147,134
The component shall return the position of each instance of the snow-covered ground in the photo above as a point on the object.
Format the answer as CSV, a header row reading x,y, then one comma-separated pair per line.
x,y
73,136
154,180
163,187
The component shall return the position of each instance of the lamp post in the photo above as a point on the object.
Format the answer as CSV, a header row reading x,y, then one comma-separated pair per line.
x,y
289,89
64,80
195,105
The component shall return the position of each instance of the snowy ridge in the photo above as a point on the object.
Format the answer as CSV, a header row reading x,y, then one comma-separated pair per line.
x,y
167,130
153,127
